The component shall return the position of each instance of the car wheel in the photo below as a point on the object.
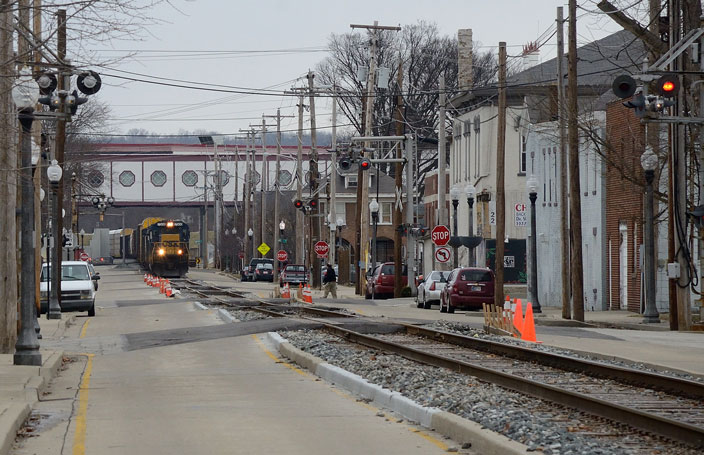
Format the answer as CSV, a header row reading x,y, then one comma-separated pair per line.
x,y
91,310
442,305
426,304
450,308
419,302
367,295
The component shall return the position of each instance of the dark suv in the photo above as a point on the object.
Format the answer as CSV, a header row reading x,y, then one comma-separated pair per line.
x,y
468,288
248,273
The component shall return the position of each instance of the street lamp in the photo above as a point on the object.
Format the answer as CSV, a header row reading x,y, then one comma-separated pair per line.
x,y
471,192
54,173
455,196
374,211
25,94
649,161
250,233
532,185
83,244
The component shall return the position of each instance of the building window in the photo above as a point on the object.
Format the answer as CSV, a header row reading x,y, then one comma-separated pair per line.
x,y
385,212
158,178
189,178
285,178
351,181
95,179
522,154
127,178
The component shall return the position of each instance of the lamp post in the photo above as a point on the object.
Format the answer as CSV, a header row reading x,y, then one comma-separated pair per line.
x,y
54,173
250,233
25,94
532,185
374,211
83,243
649,161
455,196
471,192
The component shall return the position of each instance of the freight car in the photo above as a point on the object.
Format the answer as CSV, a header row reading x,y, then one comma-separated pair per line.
x,y
121,241
162,246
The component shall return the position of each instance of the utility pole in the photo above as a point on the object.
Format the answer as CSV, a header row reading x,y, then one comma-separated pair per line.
x,y
245,200
217,207
442,156
564,204
575,193
37,134
333,183
204,223
398,206
363,201
63,86
410,209
277,246
500,172
265,184
300,217
313,172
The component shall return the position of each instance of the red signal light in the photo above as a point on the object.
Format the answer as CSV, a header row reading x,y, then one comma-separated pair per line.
x,y
668,86
313,203
298,203
365,164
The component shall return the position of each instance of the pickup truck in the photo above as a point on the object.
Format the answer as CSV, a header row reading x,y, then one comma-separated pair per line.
x,y
293,274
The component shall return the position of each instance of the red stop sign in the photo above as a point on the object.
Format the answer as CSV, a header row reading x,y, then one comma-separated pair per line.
x,y
440,235
84,256
321,248
282,256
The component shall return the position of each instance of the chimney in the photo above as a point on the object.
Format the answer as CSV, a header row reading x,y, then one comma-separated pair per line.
x,y
531,55
465,79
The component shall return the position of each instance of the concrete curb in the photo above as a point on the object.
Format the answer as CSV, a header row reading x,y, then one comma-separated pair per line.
x,y
10,422
199,306
453,426
226,316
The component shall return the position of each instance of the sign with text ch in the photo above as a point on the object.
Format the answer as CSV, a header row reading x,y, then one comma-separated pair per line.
x,y
440,235
321,249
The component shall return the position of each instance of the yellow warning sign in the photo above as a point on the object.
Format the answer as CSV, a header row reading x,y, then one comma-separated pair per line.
x,y
263,248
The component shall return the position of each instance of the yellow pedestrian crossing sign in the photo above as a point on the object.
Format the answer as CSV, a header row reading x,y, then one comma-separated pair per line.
x,y
263,248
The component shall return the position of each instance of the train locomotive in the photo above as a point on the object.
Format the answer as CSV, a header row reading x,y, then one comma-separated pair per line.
x,y
162,246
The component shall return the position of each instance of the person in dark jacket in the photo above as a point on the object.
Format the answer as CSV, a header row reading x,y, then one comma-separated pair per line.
x,y
330,282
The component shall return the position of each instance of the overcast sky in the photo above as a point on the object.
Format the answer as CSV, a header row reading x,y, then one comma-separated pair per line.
x,y
182,51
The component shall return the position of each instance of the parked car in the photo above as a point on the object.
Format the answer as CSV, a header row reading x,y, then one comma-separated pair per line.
x,y
93,273
264,272
248,271
293,274
430,288
77,287
467,288
381,281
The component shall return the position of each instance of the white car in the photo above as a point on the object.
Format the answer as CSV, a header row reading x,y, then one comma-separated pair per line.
x,y
429,290
77,287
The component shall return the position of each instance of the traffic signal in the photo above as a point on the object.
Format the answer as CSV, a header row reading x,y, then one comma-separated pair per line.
x,y
345,163
422,231
668,85
298,204
73,101
313,203
365,164
624,86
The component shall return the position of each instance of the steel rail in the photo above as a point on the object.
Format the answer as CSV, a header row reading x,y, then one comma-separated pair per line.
x,y
672,385
663,426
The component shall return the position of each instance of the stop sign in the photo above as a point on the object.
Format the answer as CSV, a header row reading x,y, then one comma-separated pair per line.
x,y
321,248
84,256
440,235
281,255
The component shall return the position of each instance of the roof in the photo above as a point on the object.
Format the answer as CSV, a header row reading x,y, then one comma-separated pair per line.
x,y
598,63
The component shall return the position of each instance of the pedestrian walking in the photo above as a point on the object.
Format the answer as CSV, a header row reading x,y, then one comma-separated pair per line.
x,y
330,282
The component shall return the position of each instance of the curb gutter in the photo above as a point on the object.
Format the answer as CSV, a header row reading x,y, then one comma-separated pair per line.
x,y
459,429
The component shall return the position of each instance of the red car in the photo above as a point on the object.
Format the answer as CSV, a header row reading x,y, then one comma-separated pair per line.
x,y
467,288
381,282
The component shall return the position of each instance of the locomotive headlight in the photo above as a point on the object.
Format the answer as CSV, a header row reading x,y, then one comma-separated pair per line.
x,y
161,252
169,224
180,251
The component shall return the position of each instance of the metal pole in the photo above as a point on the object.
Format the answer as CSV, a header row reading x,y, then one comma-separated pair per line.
x,y
27,345
410,209
651,312
375,217
455,260
470,202
534,255
122,241
54,311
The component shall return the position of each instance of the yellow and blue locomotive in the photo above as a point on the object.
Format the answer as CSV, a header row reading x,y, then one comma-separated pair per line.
x,y
162,246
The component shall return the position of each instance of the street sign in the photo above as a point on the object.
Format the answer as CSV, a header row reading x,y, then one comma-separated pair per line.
x,y
282,256
241,255
263,248
520,216
84,256
442,254
321,248
440,235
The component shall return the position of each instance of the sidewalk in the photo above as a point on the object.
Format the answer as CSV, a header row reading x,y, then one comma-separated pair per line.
x,y
21,387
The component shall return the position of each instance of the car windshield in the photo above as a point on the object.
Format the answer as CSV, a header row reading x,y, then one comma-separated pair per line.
x,y
439,276
295,268
476,275
76,272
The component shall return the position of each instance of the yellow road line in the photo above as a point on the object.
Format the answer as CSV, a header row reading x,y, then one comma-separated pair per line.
x,y
85,327
79,438
441,445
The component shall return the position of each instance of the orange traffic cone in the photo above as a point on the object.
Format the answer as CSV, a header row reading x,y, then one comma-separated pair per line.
x,y
168,289
528,332
308,295
145,277
518,317
161,286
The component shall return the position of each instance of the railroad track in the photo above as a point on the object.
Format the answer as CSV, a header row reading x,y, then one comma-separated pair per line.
x,y
661,405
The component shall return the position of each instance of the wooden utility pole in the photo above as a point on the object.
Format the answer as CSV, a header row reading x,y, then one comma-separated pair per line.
x,y
245,200
64,84
313,172
333,182
37,135
500,171
398,210
265,185
8,187
564,204
300,216
442,156
575,193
